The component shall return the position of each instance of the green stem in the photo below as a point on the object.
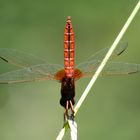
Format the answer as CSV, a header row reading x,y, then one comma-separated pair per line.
x,y
106,58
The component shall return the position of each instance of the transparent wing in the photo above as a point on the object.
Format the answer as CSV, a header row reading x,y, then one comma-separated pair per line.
x,y
89,66
120,68
112,68
101,54
19,58
29,74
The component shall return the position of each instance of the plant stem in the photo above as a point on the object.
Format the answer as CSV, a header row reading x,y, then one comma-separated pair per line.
x,y
106,58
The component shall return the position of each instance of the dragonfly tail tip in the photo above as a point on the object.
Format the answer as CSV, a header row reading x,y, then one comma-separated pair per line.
x,y
69,18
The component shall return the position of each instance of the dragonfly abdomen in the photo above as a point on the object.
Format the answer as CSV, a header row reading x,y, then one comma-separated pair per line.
x,y
69,49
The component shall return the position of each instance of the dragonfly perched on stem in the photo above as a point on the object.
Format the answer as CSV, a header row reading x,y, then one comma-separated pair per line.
x,y
36,69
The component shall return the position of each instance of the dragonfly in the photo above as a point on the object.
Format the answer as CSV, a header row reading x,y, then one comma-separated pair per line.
x,y
32,68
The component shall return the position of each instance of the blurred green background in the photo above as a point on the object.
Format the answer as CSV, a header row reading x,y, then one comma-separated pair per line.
x,y
31,111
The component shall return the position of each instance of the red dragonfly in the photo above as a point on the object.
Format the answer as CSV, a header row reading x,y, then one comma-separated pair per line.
x,y
37,69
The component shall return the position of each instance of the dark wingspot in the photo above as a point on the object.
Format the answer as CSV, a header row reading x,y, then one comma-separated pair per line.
x,y
4,59
123,50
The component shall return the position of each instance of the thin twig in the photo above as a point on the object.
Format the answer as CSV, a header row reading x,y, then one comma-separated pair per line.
x,y
106,58
103,63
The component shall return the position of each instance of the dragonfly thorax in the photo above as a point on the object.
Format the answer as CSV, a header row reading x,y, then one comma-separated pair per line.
x,y
67,91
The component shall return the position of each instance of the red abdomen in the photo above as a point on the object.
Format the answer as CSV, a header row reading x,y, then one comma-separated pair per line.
x,y
69,49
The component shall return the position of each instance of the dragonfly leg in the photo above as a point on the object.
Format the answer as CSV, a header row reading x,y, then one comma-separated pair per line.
x,y
66,111
66,115
72,109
